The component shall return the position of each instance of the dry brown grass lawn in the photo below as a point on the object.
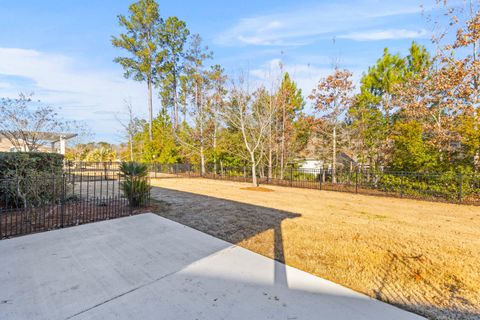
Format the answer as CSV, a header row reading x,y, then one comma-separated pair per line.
x,y
421,256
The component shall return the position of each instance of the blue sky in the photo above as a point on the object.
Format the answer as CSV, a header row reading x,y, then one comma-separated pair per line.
x,y
61,50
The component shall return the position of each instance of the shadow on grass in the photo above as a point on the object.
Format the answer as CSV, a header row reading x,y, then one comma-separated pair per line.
x,y
231,221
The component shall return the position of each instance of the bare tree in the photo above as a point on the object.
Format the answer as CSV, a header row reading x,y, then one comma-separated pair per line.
x,y
132,126
29,124
249,114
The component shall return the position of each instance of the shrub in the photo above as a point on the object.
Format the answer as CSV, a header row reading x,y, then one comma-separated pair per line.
x,y
135,187
30,178
442,185
21,164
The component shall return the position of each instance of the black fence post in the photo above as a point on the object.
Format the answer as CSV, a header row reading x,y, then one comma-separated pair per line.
x,y
460,187
401,186
62,200
320,178
132,193
291,176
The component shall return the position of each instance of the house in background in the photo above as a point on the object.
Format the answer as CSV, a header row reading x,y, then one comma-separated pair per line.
x,y
54,142
309,158
343,161
311,163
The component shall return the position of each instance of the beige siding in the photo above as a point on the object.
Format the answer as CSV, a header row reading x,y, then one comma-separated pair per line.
x,y
5,146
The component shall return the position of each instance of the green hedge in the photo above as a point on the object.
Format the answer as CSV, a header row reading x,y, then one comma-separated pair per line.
x,y
445,185
30,178
24,163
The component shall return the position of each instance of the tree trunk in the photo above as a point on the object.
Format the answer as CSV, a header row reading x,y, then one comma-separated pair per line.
x,y
175,107
131,147
282,146
202,160
184,111
276,159
270,153
270,162
150,109
387,111
215,147
334,156
254,169
200,114
270,144
474,55
476,157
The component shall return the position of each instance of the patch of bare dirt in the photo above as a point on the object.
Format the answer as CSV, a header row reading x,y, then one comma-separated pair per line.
x,y
259,189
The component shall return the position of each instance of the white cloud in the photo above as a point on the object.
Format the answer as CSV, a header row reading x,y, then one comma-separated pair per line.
x,y
82,94
389,34
303,26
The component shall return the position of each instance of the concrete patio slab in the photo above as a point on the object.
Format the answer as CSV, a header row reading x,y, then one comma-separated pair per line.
x,y
148,267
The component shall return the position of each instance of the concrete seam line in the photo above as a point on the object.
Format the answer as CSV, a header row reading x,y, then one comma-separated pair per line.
x,y
121,295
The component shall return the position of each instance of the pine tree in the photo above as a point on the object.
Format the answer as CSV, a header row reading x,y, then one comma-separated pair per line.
x,y
381,79
290,104
173,37
141,41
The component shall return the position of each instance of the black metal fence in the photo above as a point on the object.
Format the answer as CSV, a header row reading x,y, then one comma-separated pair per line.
x,y
447,187
82,194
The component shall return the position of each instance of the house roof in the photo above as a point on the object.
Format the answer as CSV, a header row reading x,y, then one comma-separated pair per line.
x,y
52,136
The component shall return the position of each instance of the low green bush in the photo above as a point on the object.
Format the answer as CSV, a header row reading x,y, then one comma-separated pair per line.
x,y
445,185
135,186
